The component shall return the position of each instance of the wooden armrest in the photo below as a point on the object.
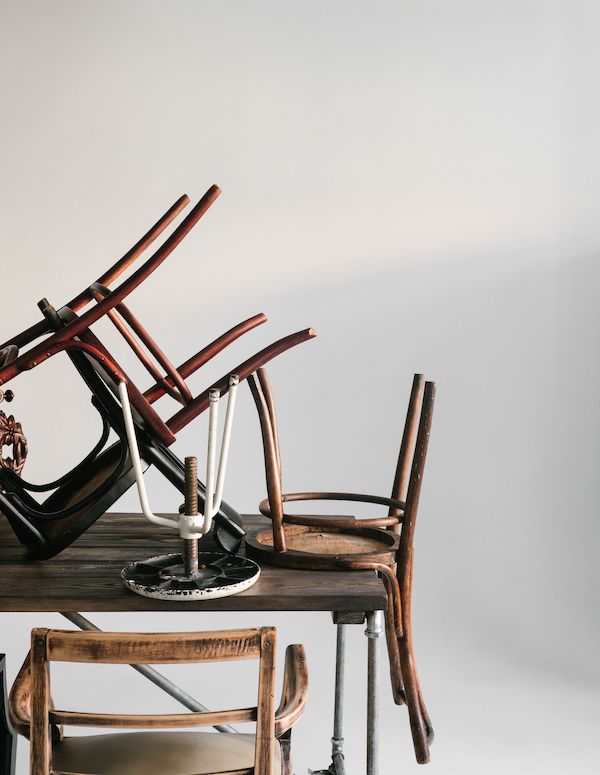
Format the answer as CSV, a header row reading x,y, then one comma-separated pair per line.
x,y
19,703
295,689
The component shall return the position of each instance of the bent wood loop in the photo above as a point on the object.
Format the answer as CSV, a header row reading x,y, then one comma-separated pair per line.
x,y
77,302
38,353
295,689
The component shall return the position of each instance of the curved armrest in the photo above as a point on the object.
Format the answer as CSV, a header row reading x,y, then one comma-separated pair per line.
x,y
19,703
19,700
295,689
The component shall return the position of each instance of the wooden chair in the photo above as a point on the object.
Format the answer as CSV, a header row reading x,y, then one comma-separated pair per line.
x,y
86,492
267,752
383,544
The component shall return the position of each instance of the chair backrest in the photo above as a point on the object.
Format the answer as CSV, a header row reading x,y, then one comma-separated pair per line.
x,y
413,485
417,407
161,648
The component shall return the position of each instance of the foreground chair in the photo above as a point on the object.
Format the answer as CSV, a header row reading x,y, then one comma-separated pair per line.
x,y
83,494
383,544
267,752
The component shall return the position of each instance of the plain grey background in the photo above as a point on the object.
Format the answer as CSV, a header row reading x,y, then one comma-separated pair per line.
x,y
419,181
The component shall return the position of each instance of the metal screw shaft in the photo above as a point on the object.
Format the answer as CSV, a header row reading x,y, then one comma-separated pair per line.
x,y
190,545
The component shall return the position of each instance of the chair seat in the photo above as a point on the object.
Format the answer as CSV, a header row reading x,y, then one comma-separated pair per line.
x,y
157,753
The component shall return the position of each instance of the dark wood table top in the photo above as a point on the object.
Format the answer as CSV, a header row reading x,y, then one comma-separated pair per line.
x,y
86,576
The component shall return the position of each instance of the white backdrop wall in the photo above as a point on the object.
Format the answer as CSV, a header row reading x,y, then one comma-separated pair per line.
x,y
419,182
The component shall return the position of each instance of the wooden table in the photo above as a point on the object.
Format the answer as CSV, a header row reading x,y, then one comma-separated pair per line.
x,y
86,577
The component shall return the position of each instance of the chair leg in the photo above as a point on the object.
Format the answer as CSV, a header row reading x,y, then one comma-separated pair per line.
x,y
420,723
286,756
391,636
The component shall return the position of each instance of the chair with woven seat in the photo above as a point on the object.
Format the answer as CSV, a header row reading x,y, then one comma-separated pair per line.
x,y
383,544
176,752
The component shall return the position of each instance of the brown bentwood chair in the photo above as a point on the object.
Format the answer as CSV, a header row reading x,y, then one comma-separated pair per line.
x,y
159,753
382,544
46,524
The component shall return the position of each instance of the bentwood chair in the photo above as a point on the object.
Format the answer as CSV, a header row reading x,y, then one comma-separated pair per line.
x,y
87,491
383,544
174,752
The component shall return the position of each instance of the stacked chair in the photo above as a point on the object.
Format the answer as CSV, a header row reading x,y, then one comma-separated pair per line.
x,y
87,491
74,501
382,544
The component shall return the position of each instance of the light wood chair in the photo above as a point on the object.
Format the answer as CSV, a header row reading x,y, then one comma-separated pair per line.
x,y
175,752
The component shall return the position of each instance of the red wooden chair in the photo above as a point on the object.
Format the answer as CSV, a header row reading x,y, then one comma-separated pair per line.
x,y
79,497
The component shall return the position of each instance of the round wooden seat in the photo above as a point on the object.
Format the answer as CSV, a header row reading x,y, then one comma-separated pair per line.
x,y
322,547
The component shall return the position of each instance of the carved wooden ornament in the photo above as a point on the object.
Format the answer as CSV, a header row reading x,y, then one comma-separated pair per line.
x,y
11,435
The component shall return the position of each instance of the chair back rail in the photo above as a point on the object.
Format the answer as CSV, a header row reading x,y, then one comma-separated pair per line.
x,y
122,648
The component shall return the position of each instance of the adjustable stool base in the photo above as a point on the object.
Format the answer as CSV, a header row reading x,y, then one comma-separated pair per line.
x,y
164,577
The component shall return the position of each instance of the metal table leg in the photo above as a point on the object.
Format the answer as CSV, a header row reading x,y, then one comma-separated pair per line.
x,y
373,632
8,736
337,766
337,741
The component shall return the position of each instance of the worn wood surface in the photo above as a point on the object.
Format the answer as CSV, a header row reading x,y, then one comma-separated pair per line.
x,y
50,645
86,576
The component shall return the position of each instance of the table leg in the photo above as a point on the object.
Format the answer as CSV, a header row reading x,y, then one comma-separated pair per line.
x,y
337,766
337,741
373,632
8,737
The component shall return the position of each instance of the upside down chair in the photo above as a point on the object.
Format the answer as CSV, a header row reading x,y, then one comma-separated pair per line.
x,y
382,544
80,496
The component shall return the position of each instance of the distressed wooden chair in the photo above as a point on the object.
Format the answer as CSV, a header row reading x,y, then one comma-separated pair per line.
x,y
383,544
267,752
83,494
